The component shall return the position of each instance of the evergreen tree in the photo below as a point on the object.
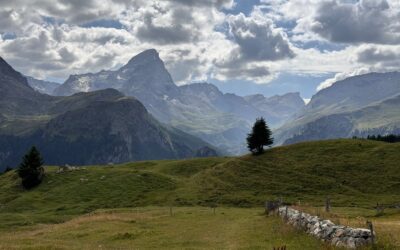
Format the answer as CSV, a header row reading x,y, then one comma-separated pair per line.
x,y
31,170
259,137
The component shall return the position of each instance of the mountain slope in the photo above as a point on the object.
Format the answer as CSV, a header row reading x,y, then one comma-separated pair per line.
x,y
44,87
17,97
377,119
86,128
342,110
339,169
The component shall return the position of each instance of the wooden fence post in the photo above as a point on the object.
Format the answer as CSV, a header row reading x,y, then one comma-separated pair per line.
x,y
328,205
286,213
371,228
380,209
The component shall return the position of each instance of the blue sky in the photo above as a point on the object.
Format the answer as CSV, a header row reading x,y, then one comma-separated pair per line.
x,y
243,46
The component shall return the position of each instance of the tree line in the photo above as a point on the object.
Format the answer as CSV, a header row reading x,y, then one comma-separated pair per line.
x,y
385,138
391,138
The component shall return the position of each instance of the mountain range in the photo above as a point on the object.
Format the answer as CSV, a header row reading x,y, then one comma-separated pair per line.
x,y
85,128
200,109
137,112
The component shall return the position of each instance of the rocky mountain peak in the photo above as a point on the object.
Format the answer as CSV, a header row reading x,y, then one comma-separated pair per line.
x,y
146,70
145,57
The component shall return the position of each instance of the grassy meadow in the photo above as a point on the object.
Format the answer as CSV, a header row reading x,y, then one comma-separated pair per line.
x,y
156,228
94,206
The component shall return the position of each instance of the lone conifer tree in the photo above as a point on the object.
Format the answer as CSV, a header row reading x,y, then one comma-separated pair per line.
x,y
31,170
259,137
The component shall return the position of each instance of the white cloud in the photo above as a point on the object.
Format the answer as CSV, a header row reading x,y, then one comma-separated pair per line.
x,y
198,40
364,21
341,76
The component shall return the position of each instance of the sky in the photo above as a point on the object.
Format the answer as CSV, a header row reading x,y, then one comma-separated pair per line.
x,y
243,46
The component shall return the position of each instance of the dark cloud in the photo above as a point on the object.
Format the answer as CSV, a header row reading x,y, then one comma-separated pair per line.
x,y
173,33
244,72
67,55
207,3
99,61
256,42
380,56
369,21
374,55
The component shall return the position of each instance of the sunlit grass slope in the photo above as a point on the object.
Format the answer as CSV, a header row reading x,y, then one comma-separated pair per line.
x,y
351,172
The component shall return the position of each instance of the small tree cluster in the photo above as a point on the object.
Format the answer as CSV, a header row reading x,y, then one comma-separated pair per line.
x,y
385,138
259,137
30,170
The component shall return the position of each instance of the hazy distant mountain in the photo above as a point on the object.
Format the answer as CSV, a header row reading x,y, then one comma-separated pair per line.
x,y
86,128
199,109
279,108
227,103
146,78
358,105
44,87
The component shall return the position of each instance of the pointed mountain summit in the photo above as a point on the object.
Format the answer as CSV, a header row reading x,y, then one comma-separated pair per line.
x,y
150,55
144,72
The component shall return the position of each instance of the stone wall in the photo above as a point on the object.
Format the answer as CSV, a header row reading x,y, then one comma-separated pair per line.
x,y
336,235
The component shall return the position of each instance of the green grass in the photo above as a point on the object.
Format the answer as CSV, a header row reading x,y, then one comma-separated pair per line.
x,y
352,172
155,228
355,174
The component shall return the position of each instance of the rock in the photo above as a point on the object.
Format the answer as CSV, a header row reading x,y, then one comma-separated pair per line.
x,y
326,230
339,232
335,241
351,243
360,242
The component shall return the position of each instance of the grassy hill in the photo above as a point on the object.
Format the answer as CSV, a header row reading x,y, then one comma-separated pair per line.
x,y
351,172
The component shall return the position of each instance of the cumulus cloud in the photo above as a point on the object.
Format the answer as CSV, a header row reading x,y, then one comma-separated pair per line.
x,y
216,3
199,40
370,21
257,39
177,29
343,75
380,56
190,36
256,43
341,21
